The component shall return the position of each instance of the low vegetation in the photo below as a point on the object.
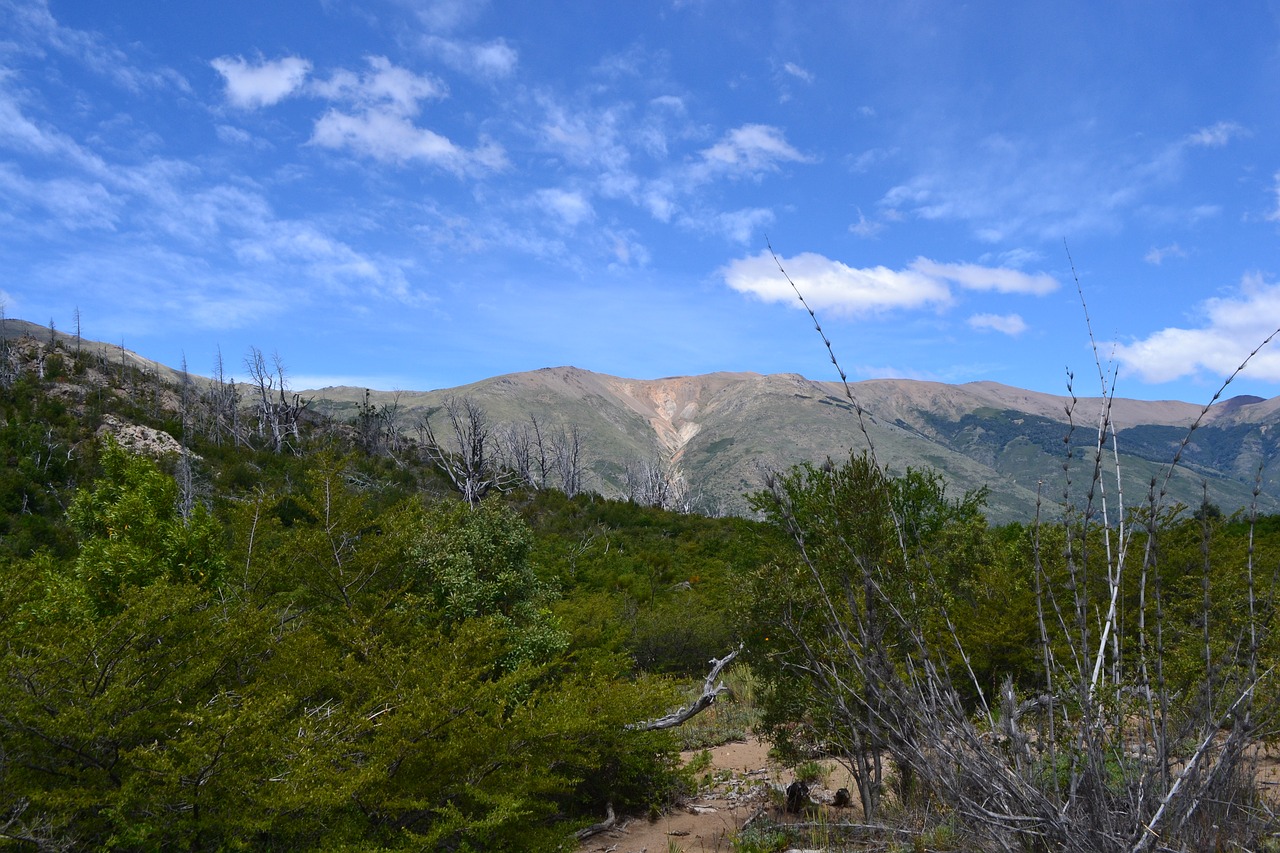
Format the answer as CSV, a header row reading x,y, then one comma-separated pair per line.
x,y
295,633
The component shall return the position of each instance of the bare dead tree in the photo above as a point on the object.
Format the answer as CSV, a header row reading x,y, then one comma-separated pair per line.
x,y
186,484
517,448
378,428
657,481
541,453
279,411
466,454
223,404
566,450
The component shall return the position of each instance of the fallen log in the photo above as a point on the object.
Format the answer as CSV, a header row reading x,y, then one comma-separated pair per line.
x,y
710,691
596,828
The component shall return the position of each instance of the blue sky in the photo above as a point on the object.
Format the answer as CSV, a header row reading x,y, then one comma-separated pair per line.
x,y
417,194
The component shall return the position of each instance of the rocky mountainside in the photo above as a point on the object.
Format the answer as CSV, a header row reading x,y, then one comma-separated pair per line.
x,y
721,431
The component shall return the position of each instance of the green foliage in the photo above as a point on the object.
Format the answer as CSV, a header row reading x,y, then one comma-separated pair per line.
x,y
333,667
887,577
666,579
949,583
132,534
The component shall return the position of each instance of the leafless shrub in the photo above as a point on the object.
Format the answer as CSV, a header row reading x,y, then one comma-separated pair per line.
x,y
1106,755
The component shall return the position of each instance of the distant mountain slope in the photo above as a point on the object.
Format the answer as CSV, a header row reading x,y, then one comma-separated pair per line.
x,y
723,430
720,432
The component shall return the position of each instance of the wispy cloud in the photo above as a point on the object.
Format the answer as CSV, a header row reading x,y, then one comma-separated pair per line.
x,y
1232,327
488,60
31,27
830,284
21,133
251,86
740,226
1274,214
570,207
797,72
1007,187
587,138
1015,258
393,138
384,86
66,203
446,15
998,279
1157,254
1008,324
865,227
746,151
1215,136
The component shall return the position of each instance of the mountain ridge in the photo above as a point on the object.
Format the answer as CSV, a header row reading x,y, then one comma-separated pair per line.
x,y
718,433
721,430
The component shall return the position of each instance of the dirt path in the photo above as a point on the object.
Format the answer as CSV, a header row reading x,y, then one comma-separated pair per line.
x,y
743,784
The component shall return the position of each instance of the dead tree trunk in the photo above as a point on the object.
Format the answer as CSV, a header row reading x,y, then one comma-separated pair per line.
x,y
711,690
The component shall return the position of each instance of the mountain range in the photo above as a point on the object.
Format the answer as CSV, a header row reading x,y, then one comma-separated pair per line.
x,y
721,432
718,434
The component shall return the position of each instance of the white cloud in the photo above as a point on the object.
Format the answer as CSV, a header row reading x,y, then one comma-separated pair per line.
x,y
999,279
269,82
233,135
1157,254
1009,324
798,72
870,158
658,199
746,151
832,285
383,86
626,251
489,60
1232,327
1215,136
1274,215
572,207
386,98
392,138
586,138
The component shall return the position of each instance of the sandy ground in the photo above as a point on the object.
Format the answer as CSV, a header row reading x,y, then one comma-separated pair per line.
x,y
745,782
